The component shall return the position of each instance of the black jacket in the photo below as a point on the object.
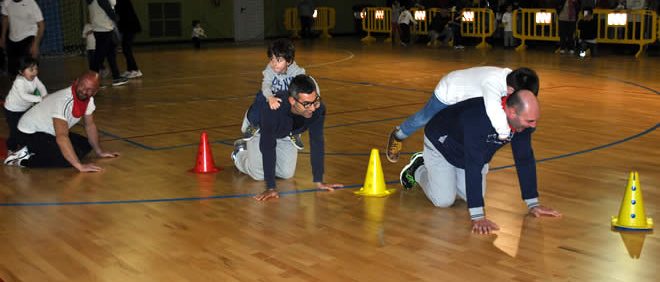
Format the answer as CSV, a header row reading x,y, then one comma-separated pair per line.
x,y
128,20
576,7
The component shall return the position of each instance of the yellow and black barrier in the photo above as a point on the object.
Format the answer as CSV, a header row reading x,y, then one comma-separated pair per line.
x,y
636,27
324,21
478,22
376,20
423,20
535,24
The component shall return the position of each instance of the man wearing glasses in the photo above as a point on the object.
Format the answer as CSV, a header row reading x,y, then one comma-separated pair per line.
x,y
270,153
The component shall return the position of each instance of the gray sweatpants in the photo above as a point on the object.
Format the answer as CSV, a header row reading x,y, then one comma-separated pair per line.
x,y
250,160
440,180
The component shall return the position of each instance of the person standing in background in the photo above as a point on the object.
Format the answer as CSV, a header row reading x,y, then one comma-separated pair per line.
x,y
129,25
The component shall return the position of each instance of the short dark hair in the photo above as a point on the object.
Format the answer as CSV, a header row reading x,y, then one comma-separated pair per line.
x,y
26,62
282,47
523,78
195,23
301,84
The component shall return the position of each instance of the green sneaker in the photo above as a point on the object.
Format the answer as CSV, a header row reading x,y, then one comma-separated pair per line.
x,y
407,176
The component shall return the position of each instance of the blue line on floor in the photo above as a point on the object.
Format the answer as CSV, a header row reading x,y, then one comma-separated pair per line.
x,y
293,192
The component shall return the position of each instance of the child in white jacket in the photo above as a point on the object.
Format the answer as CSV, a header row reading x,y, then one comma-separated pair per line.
x,y
405,18
25,92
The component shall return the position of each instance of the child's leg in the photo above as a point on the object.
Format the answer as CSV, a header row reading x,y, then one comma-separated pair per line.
x,y
254,113
14,140
592,47
90,58
420,118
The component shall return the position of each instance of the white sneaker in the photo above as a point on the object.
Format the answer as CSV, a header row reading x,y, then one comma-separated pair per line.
x,y
15,158
125,74
134,74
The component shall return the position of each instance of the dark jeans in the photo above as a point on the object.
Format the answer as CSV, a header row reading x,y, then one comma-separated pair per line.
x,y
47,153
306,26
566,35
105,49
197,43
404,30
14,141
456,30
16,50
127,49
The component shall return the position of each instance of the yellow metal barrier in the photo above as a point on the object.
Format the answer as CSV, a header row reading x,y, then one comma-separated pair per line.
x,y
637,27
324,20
423,20
535,24
377,20
478,22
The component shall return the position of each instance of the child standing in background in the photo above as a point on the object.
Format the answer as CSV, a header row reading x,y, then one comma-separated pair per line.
x,y
25,92
90,45
588,29
405,18
197,34
508,26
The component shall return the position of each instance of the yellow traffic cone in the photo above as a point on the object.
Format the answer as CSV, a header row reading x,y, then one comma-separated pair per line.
x,y
374,181
631,214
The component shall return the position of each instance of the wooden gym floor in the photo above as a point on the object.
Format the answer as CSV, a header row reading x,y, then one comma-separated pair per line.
x,y
146,218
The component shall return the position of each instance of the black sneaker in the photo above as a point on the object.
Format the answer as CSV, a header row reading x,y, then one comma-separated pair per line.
x,y
119,81
250,131
296,139
407,176
239,145
394,146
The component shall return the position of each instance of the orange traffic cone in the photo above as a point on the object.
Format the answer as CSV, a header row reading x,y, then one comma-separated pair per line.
x,y
205,162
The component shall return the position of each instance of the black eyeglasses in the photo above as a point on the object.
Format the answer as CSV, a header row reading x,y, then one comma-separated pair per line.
x,y
316,103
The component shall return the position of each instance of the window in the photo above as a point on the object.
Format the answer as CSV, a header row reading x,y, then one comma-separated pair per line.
x,y
164,20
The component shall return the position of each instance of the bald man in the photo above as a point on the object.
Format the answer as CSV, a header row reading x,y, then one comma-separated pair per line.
x,y
460,141
45,128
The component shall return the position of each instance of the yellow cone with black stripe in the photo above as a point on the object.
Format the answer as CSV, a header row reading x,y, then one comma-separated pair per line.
x,y
374,181
631,214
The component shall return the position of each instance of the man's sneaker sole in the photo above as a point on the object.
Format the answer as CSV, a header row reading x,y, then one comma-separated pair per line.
x,y
297,142
120,83
393,154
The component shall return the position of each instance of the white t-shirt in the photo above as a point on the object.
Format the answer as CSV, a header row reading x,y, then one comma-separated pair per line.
x,y
23,18
486,82
198,32
88,34
57,105
506,21
99,19
22,94
406,17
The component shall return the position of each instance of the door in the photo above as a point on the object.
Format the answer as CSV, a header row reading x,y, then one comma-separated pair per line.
x,y
248,20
